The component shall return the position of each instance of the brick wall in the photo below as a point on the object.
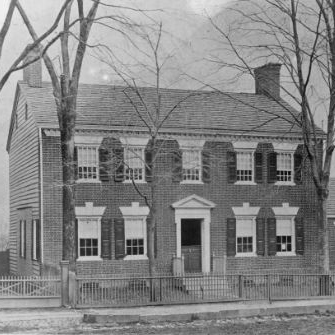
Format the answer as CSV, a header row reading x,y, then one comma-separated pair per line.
x,y
115,194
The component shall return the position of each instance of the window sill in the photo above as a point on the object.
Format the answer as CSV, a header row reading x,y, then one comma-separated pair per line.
x,y
89,258
245,255
135,181
192,182
135,258
286,254
285,183
245,183
88,181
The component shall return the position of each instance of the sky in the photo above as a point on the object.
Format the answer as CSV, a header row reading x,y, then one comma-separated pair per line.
x,y
181,19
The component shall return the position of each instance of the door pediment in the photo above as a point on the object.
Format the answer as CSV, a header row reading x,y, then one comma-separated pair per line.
x,y
193,201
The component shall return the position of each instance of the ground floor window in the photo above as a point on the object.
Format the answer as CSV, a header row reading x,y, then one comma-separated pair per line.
x,y
89,238
285,236
135,236
245,237
23,227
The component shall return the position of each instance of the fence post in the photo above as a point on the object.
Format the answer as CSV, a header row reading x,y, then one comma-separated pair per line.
x,y
64,265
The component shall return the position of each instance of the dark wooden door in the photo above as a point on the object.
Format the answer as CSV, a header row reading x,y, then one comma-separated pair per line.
x,y
191,244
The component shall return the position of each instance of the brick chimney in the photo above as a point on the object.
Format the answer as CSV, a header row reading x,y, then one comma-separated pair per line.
x,y
267,80
32,74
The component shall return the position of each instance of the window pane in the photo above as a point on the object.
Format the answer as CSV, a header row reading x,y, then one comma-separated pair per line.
x,y
134,163
87,162
284,166
191,164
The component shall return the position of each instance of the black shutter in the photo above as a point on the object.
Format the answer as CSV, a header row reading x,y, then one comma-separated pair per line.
x,y
177,166
258,167
148,165
272,237
299,236
105,238
206,166
75,162
38,239
119,238
231,161
76,242
103,164
260,236
118,164
272,167
231,237
298,158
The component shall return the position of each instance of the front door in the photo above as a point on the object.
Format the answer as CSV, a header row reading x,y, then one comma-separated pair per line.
x,y
191,244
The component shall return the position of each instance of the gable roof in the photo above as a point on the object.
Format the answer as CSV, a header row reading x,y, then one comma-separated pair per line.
x,y
106,107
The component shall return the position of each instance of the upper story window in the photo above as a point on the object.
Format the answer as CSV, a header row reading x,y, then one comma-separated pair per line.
x,y
245,166
285,166
191,165
88,162
134,163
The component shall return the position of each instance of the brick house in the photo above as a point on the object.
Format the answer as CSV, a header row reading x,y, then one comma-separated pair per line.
x,y
235,191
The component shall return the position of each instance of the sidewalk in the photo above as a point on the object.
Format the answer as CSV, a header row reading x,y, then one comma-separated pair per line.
x,y
208,311
166,313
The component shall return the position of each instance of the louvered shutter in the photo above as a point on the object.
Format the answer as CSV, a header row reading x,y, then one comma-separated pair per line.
x,y
106,238
231,161
118,164
75,163
298,160
177,166
299,236
103,164
206,166
76,242
119,238
272,167
260,236
148,165
272,236
258,167
231,237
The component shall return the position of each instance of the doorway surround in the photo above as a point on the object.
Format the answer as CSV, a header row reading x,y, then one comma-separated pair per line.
x,y
195,207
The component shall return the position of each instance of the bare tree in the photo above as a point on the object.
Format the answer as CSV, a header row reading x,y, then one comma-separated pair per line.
x,y
147,68
300,35
17,63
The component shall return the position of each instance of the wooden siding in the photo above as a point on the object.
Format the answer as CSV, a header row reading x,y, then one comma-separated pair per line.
x,y
24,187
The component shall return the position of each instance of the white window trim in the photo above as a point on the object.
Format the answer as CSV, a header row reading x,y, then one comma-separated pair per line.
x,y
192,144
23,227
247,182
247,213
84,180
94,213
139,213
287,213
288,148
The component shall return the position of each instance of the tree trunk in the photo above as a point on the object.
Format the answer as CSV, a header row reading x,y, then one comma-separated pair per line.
x,y
324,240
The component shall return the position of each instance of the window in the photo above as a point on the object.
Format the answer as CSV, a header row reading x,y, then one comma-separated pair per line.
x,y
244,166
26,111
191,165
134,166
245,236
34,239
135,236
285,236
89,238
88,162
284,167
23,238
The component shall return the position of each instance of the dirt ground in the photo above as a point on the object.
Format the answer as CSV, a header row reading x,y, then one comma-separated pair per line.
x,y
316,324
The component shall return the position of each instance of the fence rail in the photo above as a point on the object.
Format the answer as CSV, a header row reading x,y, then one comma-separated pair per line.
x,y
130,291
13,286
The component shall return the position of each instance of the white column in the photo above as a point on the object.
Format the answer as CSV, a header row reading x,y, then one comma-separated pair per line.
x,y
205,245
178,230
